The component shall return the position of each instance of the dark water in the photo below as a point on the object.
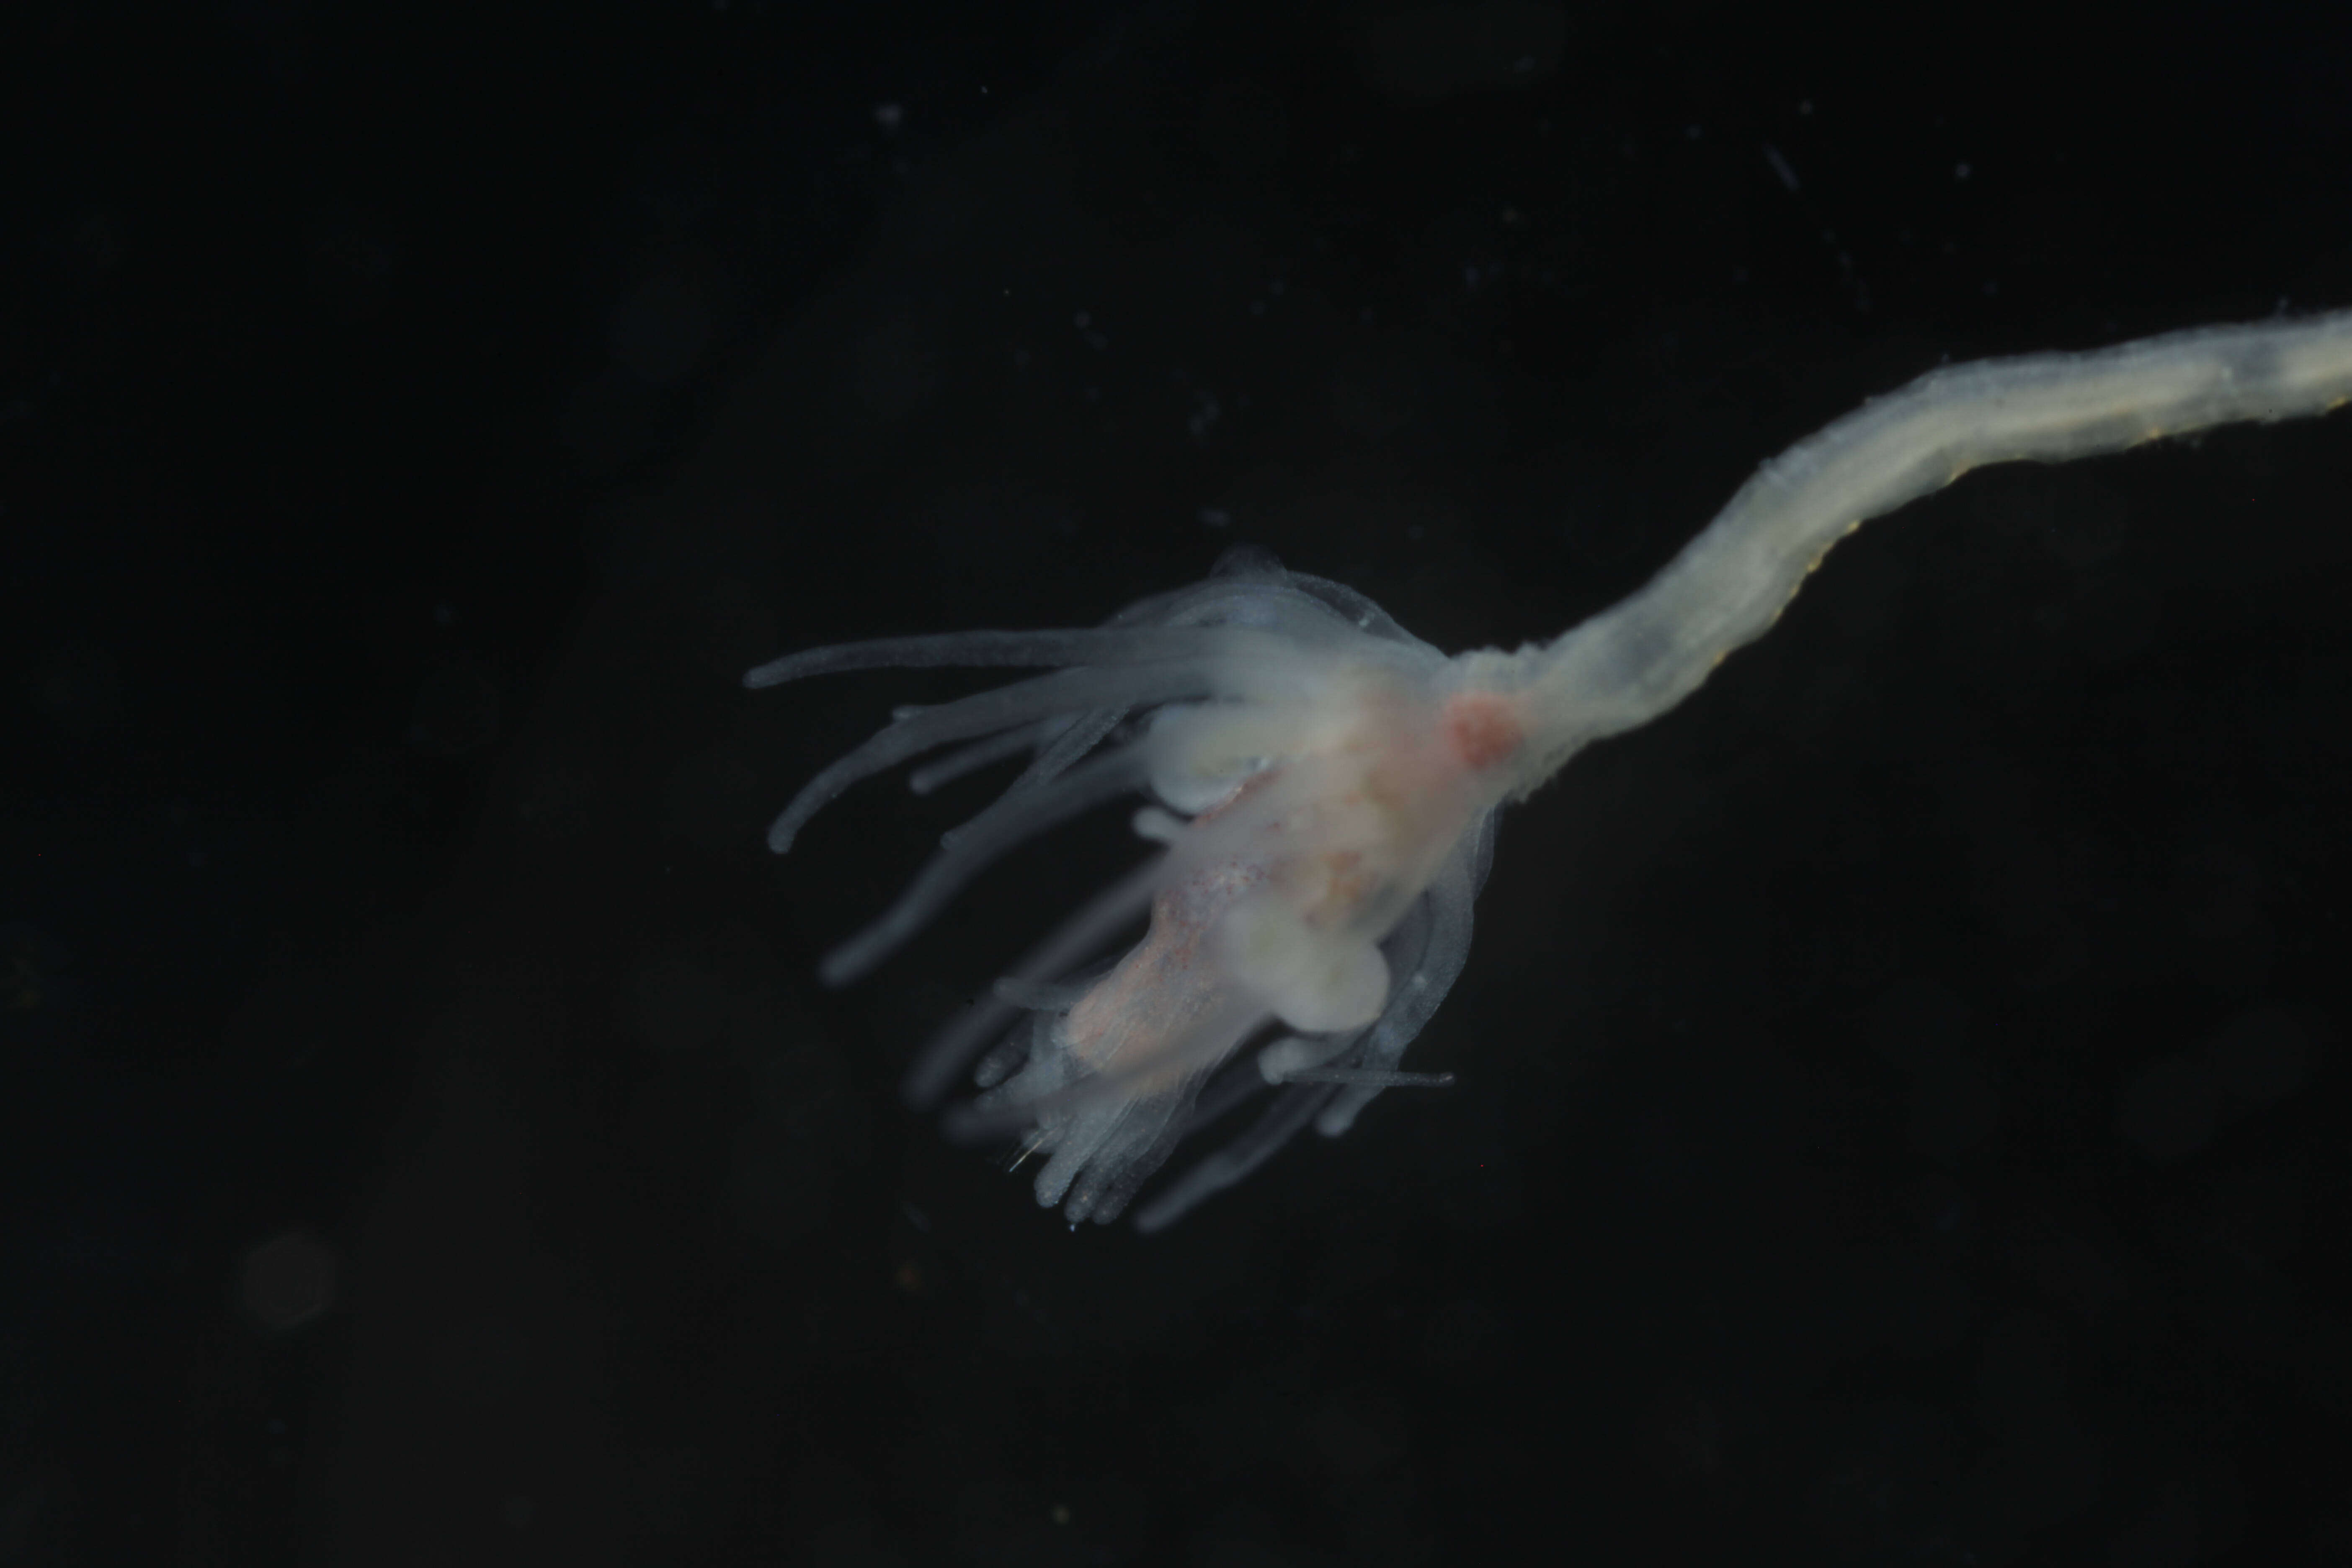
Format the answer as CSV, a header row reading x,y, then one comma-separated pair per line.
x,y
1900,1111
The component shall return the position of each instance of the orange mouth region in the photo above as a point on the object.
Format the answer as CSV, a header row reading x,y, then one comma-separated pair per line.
x,y
1481,729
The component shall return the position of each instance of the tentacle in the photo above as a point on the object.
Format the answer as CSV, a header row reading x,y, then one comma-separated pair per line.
x,y
984,650
1080,938
1012,820
979,755
1290,1111
984,713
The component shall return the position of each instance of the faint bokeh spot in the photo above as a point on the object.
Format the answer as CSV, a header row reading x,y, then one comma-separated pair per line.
x,y
288,1280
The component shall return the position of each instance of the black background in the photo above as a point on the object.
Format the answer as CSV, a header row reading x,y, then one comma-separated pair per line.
x,y
1901,1111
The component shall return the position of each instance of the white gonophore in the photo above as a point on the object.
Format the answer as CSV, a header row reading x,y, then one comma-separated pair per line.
x,y
1325,784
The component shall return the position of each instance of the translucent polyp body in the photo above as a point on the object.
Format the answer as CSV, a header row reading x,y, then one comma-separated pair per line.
x,y
1326,782
1324,788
